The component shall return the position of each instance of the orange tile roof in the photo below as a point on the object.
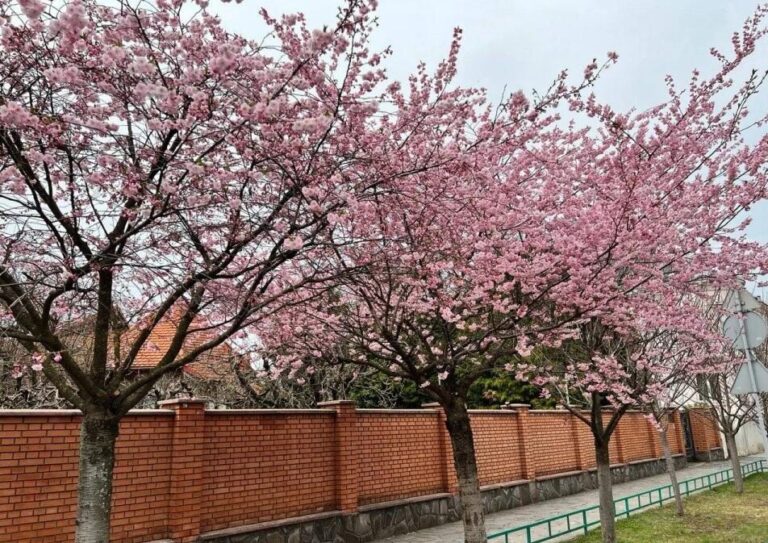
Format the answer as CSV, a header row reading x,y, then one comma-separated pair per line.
x,y
211,365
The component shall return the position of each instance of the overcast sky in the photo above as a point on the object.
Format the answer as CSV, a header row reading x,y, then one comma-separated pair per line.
x,y
523,44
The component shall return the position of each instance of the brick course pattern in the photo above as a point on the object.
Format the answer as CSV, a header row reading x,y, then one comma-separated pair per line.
x,y
184,471
399,455
705,434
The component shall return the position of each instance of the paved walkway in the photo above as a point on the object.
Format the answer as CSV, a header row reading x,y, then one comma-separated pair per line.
x,y
503,520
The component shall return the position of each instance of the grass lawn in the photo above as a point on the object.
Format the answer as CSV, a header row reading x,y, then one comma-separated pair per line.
x,y
714,516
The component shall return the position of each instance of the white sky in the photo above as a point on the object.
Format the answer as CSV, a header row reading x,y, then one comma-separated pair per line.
x,y
523,44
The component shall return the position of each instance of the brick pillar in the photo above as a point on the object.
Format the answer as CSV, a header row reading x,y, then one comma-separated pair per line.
x,y
347,455
186,493
527,461
450,482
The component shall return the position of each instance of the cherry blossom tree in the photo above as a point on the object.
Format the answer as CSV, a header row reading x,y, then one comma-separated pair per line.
x,y
600,374
676,392
152,162
649,173
728,412
443,275
547,236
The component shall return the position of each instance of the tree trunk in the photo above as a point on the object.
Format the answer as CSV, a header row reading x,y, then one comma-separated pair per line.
x,y
605,491
671,471
733,455
463,445
98,433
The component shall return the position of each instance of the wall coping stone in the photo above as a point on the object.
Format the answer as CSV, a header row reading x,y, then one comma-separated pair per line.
x,y
40,412
335,402
269,412
269,525
76,413
503,412
404,501
183,402
430,412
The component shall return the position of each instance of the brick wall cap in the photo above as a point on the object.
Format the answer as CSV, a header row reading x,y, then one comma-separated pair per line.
x,y
431,405
516,406
181,401
76,412
235,412
335,402
502,412
150,412
40,412
430,412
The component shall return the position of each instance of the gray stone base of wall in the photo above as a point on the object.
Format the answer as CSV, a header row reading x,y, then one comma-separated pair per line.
x,y
715,455
404,516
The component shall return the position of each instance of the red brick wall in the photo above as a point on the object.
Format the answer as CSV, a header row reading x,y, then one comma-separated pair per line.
x,y
675,436
551,441
400,454
586,445
142,478
497,446
638,438
705,434
281,464
185,471
38,477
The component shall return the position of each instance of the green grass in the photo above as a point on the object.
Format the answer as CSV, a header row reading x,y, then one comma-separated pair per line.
x,y
716,516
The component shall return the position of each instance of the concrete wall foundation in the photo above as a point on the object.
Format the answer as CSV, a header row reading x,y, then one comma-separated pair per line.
x,y
405,516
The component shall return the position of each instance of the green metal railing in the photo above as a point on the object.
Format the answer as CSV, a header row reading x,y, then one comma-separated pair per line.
x,y
582,520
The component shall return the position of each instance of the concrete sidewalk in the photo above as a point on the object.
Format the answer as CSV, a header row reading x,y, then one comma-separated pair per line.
x,y
504,520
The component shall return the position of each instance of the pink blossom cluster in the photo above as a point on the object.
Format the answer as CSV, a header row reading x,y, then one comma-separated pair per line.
x,y
295,191
508,239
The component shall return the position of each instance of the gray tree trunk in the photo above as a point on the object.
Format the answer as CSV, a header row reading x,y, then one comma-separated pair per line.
x,y
671,471
605,491
98,434
733,455
465,461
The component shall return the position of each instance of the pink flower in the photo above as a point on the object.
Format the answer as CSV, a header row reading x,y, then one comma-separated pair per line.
x,y
294,243
32,8
15,115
